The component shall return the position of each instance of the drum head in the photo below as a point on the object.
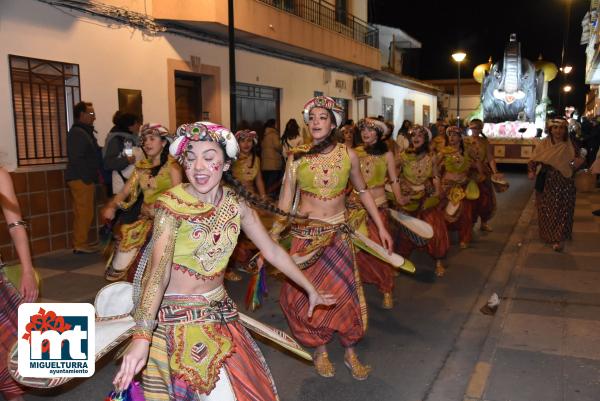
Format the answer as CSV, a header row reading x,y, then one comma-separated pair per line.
x,y
114,299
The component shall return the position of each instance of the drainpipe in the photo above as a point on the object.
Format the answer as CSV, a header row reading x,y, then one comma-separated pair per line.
x,y
232,89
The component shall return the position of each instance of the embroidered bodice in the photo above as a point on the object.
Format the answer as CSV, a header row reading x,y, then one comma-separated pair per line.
x,y
455,161
372,167
416,169
207,234
477,148
141,180
324,176
242,170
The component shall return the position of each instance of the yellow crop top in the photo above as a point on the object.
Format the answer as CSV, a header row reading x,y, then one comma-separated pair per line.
x,y
372,167
243,172
324,176
206,235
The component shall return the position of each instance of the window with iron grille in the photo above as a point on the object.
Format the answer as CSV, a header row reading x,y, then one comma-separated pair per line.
x,y
43,94
387,108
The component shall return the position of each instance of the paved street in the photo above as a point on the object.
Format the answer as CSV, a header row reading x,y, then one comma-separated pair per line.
x,y
435,344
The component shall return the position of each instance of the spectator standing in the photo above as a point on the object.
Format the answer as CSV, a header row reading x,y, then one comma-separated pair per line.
x,y
82,173
271,157
291,137
121,149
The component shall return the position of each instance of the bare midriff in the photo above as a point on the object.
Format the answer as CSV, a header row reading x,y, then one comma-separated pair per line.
x,y
182,283
454,176
321,208
377,192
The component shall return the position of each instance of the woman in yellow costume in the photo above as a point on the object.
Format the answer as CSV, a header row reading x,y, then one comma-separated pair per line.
x,y
478,147
10,296
420,183
152,176
314,183
459,190
376,164
187,331
246,169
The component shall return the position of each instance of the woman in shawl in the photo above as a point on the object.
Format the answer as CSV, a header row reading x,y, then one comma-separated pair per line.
x,y
553,164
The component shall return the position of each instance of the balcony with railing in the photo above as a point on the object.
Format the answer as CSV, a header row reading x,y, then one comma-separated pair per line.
x,y
307,29
330,17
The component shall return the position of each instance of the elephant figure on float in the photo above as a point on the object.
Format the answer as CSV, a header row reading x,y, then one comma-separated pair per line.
x,y
511,89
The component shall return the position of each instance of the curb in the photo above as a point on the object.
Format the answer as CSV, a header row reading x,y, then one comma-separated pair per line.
x,y
478,328
512,261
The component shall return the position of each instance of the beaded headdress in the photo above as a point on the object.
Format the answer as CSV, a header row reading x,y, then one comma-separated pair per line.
x,y
246,133
324,102
419,128
374,124
557,121
204,131
454,129
155,129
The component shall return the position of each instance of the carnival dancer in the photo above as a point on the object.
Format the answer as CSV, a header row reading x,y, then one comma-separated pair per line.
x,y
152,176
246,169
477,145
459,190
420,182
376,164
321,172
187,331
553,163
11,297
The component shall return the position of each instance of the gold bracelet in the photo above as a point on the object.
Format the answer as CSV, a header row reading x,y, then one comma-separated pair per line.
x,y
16,224
280,219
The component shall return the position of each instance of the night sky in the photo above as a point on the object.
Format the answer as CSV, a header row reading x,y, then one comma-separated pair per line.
x,y
442,27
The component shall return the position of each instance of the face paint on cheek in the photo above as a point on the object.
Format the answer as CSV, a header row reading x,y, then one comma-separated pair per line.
x,y
187,163
215,166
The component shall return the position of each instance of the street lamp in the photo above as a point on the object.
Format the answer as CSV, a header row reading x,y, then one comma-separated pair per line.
x,y
458,57
566,69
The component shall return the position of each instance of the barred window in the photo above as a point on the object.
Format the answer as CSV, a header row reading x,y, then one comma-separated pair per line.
x,y
387,108
43,93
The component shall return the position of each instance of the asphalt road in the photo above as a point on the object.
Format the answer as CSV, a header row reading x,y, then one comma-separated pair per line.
x,y
407,346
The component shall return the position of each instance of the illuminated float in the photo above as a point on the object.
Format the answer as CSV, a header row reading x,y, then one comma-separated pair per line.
x,y
514,102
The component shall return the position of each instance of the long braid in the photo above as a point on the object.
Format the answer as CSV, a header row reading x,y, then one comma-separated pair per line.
x,y
252,198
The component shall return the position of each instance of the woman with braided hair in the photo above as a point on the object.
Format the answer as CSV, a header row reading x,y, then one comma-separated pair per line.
x,y
420,182
151,177
187,332
314,183
376,164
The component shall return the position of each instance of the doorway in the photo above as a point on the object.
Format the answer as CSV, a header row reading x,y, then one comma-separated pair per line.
x,y
255,105
188,98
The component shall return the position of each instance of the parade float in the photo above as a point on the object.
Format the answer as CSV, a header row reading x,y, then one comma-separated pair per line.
x,y
514,102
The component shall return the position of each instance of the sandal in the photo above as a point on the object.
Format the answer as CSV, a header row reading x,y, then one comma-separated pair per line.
x,y
323,365
557,247
440,270
388,301
230,275
485,227
357,369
